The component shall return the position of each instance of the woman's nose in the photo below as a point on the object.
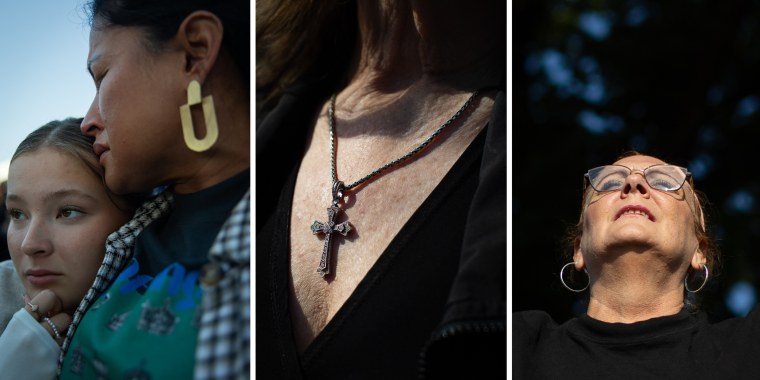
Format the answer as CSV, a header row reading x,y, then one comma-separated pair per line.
x,y
635,182
92,124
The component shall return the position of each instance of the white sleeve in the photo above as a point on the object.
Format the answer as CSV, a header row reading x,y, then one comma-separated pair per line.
x,y
27,351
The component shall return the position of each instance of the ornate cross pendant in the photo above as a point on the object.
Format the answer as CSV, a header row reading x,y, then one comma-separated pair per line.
x,y
328,228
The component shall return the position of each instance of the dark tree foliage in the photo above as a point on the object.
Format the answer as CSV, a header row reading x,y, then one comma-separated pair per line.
x,y
593,79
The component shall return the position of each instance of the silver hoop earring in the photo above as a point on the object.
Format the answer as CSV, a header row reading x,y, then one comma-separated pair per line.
x,y
686,283
562,278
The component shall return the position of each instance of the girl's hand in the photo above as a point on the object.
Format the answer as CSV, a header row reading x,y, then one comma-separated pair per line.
x,y
45,307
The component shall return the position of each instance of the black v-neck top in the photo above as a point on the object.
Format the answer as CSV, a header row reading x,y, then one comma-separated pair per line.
x,y
385,326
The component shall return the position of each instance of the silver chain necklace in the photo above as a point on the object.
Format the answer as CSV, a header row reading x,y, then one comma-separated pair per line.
x,y
329,228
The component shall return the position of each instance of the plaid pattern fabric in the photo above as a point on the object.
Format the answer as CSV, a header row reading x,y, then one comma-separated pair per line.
x,y
224,336
224,333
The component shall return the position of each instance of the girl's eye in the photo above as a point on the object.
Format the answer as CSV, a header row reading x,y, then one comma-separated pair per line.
x,y
16,214
70,213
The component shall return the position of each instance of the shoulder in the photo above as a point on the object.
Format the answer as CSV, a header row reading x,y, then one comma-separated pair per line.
x,y
8,276
529,328
11,293
736,341
533,333
240,215
11,290
234,238
532,320
7,265
748,324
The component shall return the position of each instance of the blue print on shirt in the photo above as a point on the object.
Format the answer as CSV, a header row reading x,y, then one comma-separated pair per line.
x,y
182,285
153,318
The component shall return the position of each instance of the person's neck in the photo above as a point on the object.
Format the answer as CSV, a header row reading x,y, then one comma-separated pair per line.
x,y
416,61
635,289
403,44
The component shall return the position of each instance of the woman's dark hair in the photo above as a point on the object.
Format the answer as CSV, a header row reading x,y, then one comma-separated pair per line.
x,y
64,136
161,20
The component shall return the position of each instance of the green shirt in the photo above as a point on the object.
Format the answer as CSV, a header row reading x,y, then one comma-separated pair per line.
x,y
146,324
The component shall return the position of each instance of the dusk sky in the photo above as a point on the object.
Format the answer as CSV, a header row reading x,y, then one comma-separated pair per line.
x,y
43,75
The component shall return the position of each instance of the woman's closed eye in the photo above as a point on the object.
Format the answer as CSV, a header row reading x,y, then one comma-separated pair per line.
x,y
611,184
662,183
99,79
97,74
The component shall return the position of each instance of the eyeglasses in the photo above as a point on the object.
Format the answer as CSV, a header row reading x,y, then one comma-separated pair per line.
x,y
659,177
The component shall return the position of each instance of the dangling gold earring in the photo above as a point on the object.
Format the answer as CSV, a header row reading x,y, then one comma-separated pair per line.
x,y
209,115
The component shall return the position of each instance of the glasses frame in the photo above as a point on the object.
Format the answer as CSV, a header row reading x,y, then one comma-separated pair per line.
x,y
689,177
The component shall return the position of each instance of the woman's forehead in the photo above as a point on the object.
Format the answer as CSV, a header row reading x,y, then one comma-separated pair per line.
x,y
639,161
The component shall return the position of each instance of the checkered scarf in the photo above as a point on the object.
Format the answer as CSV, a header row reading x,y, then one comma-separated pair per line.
x,y
223,339
224,336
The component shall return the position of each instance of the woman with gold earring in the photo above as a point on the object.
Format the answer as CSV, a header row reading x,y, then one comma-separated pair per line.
x,y
171,117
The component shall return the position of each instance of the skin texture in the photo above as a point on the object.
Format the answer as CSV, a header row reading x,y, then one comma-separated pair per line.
x,y
135,117
409,76
129,78
637,262
60,218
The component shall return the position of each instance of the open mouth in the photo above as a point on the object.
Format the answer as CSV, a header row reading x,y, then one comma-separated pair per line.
x,y
634,211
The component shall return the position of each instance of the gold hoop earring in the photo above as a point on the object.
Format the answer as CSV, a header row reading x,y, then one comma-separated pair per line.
x,y
209,116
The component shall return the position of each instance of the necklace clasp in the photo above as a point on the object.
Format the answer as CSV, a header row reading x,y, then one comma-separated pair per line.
x,y
337,192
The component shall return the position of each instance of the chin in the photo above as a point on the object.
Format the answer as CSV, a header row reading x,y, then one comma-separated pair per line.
x,y
633,239
120,185
634,230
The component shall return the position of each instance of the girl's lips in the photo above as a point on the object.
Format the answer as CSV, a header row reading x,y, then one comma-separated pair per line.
x,y
634,210
41,277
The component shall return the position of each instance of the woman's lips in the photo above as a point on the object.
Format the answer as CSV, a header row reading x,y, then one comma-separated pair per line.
x,y
102,158
99,149
634,210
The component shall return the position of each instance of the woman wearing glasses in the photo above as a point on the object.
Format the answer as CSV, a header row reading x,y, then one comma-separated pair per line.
x,y
641,250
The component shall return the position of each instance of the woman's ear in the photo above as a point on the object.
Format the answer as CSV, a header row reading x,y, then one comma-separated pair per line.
x,y
578,255
698,259
200,36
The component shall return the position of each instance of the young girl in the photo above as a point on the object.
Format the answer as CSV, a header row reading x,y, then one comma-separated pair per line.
x,y
60,216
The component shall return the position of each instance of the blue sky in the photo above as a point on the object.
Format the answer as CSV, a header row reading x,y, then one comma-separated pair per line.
x,y
43,75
